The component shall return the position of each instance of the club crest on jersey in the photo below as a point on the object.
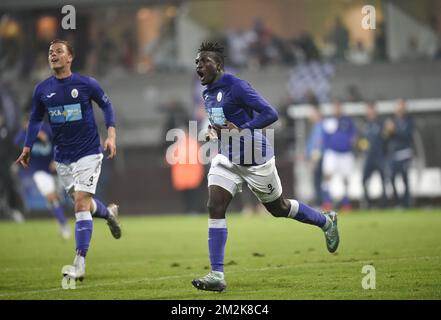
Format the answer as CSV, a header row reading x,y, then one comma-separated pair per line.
x,y
74,93
105,98
219,96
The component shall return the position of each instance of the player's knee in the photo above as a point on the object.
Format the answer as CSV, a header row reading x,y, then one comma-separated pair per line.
x,y
279,209
279,212
81,206
82,201
216,210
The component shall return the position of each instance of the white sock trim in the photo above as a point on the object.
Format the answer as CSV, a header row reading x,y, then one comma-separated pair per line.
x,y
83,215
217,223
294,209
94,206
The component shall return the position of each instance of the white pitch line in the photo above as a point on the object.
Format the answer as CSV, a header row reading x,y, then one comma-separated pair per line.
x,y
97,285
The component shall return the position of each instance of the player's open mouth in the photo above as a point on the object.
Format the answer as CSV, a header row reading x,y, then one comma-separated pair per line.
x,y
54,60
201,75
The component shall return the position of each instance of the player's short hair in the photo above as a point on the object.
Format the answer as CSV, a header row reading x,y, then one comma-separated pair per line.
x,y
216,49
66,43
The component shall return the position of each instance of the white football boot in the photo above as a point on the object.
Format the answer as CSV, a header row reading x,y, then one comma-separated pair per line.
x,y
65,231
77,271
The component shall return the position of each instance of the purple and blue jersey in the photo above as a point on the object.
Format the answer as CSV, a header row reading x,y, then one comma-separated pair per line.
x,y
42,151
68,104
339,134
234,100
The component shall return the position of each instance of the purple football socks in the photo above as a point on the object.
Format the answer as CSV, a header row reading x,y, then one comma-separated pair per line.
x,y
83,232
303,213
100,209
217,238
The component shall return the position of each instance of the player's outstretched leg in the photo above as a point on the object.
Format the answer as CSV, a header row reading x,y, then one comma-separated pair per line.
x,y
83,235
301,212
218,202
217,238
326,221
109,213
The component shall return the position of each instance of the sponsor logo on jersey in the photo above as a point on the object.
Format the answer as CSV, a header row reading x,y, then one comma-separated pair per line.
x,y
67,113
50,95
217,116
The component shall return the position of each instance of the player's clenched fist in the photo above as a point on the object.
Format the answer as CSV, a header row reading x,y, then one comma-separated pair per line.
x,y
24,157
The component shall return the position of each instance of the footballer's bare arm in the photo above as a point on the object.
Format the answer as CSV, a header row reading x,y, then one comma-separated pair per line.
x,y
110,142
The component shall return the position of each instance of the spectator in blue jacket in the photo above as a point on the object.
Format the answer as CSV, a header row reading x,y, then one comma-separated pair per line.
x,y
375,152
399,132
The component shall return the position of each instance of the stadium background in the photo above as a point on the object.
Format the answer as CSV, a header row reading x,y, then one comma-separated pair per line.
x,y
143,54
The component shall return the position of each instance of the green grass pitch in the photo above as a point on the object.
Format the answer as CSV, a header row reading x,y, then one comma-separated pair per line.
x,y
266,258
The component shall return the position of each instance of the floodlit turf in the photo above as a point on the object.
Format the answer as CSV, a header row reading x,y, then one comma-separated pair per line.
x,y
266,258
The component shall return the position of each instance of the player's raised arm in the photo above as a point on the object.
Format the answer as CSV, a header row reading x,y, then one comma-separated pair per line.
x,y
35,122
267,115
99,96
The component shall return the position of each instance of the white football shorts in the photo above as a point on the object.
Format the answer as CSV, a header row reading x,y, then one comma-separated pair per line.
x,y
338,163
45,182
81,175
263,180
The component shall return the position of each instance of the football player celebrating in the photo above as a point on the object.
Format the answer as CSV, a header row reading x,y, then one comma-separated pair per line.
x,y
67,99
236,112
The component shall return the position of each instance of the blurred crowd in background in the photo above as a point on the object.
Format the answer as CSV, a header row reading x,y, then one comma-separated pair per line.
x,y
101,48
136,41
